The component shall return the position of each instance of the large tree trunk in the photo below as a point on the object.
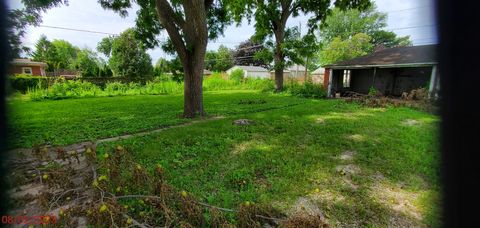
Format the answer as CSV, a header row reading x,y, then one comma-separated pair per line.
x,y
193,89
278,70
279,59
191,45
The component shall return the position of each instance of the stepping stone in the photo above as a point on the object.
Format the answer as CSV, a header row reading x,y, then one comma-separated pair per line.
x,y
242,122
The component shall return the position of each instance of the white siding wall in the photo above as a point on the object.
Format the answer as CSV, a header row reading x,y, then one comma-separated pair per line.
x,y
256,74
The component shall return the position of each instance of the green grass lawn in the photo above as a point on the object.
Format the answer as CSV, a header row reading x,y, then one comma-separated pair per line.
x,y
70,121
292,150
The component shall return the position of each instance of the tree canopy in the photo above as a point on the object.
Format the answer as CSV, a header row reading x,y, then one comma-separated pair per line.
x,y
346,23
128,59
339,50
66,53
46,52
245,53
220,60
17,22
87,63
271,18
61,54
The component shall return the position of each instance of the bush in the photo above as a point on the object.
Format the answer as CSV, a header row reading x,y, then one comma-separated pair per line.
x,y
23,82
237,75
62,89
216,82
166,87
115,88
307,90
373,92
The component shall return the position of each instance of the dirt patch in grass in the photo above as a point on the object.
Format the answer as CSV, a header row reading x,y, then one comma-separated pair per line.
x,y
347,155
320,121
242,147
348,170
400,201
306,206
411,122
356,137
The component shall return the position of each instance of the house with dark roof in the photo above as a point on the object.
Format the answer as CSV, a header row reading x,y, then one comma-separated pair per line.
x,y
391,71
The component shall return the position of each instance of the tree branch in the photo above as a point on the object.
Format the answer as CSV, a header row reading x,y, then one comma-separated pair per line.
x,y
165,14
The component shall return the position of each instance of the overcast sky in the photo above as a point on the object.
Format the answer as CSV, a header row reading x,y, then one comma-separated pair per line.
x,y
405,17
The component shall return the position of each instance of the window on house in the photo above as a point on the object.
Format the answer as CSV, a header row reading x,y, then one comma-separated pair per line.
x,y
346,78
26,70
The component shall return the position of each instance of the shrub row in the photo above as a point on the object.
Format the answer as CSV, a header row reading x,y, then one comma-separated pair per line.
x,y
23,82
63,89
307,90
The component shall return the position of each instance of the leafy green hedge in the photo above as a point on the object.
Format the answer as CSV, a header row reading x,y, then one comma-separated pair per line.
x,y
63,89
23,83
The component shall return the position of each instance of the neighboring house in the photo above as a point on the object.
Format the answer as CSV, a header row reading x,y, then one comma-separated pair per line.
x,y
318,76
295,72
390,71
286,74
251,71
26,66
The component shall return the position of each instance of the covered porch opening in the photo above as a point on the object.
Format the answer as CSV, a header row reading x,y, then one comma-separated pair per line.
x,y
389,81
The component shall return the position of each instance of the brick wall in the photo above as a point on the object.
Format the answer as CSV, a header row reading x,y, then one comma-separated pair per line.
x,y
36,70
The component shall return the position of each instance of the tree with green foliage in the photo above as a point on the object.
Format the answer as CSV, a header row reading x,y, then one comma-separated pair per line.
x,y
245,52
345,24
271,19
189,25
66,53
220,60
105,45
210,60
176,68
225,59
87,63
127,58
339,50
161,67
17,22
104,69
305,51
46,52
296,49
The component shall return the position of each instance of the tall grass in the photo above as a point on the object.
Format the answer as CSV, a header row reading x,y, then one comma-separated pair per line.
x,y
78,89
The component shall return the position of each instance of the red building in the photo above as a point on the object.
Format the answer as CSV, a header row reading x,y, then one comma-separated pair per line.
x,y
26,66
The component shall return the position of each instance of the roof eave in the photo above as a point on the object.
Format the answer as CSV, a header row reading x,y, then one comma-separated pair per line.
x,y
381,65
28,64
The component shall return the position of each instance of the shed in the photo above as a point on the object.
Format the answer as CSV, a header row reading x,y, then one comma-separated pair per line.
x,y
27,66
390,71
251,71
